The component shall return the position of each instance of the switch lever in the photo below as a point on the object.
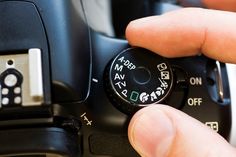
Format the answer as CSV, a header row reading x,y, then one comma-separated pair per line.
x,y
219,81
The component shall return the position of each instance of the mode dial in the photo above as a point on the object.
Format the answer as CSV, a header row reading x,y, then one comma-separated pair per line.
x,y
137,78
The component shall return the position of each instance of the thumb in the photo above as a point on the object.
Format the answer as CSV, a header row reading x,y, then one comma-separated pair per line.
x,y
161,131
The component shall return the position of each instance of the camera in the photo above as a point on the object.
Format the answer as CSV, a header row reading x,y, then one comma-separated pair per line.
x,y
70,82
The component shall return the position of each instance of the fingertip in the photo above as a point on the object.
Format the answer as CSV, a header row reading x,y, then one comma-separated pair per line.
x,y
151,132
156,33
129,32
135,30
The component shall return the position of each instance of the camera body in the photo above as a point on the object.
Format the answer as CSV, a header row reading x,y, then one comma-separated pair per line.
x,y
69,90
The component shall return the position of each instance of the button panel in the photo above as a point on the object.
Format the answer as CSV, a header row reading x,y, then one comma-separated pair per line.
x,y
21,78
9,80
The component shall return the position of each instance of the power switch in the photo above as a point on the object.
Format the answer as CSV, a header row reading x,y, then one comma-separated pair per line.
x,y
217,81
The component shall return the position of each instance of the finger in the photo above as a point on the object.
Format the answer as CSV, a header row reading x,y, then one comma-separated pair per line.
x,y
186,32
161,131
229,5
191,3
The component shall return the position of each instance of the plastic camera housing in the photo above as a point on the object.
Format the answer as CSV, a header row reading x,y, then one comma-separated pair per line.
x,y
69,86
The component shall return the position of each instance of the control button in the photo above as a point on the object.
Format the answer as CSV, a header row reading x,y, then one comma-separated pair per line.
x,y
5,91
5,101
17,90
138,78
23,72
17,100
10,80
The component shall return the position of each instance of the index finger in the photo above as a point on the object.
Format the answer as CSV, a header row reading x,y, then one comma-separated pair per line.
x,y
187,32
229,5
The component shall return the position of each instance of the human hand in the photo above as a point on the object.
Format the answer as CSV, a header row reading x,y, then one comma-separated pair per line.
x,y
159,130
229,5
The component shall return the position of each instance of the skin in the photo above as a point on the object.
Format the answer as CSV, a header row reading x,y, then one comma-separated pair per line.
x,y
159,130
228,5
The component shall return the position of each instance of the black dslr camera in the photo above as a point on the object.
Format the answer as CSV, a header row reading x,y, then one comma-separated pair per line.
x,y
70,82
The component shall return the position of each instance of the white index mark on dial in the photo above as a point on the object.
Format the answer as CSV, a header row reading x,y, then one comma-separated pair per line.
x,y
95,80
